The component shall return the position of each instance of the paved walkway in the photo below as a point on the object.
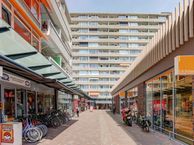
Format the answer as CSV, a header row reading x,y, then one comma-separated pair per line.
x,y
102,128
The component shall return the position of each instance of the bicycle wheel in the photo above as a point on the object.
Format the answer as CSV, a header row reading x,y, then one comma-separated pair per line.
x,y
44,129
32,135
55,122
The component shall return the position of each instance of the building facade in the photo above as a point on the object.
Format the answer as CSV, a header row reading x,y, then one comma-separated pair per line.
x,y
35,58
105,44
163,76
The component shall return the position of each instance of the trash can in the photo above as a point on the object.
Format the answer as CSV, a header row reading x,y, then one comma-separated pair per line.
x,y
11,133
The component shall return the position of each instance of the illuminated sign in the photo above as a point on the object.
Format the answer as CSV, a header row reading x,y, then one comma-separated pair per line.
x,y
184,65
7,133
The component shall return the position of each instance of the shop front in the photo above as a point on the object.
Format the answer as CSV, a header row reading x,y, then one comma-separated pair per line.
x,y
21,97
169,102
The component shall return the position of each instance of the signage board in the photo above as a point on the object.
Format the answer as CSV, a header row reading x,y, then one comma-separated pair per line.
x,y
1,71
7,133
15,80
184,65
121,94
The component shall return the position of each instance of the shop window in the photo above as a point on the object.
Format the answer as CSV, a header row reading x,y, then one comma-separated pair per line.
x,y
21,103
7,3
183,108
6,15
9,104
156,102
22,30
31,102
167,99
40,101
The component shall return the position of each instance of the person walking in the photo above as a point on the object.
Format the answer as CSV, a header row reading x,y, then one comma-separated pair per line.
x,y
77,111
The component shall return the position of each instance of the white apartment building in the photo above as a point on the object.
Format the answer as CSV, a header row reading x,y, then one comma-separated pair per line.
x,y
105,44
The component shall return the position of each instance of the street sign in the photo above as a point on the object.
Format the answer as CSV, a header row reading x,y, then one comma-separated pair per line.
x,y
184,65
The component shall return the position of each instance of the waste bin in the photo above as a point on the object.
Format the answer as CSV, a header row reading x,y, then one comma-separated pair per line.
x,y
11,133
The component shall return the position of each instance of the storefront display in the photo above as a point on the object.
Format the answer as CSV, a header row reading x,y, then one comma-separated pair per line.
x,y
168,99
9,104
31,102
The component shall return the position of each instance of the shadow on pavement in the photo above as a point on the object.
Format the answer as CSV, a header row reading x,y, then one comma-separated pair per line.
x,y
141,137
53,132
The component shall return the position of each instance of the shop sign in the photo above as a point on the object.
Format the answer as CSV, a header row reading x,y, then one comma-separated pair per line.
x,y
7,133
1,71
15,80
121,94
184,65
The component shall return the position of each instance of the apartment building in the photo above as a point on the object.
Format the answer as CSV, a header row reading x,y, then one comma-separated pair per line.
x,y
105,44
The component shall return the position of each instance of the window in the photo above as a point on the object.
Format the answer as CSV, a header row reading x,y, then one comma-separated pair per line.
x,y
94,65
133,24
134,51
123,52
83,37
123,37
83,72
122,17
93,51
123,30
133,38
93,30
83,44
124,45
83,23
94,72
83,17
83,58
93,37
123,23
93,23
83,65
93,44
6,15
83,51
22,30
83,30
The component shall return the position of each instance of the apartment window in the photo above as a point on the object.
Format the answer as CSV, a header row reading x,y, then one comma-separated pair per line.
x,y
84,86
93,44
94,79
94,72
93,51
83,30
135,51
124,45
83,44
93,30
83,79
93,58
83,65
83,51
93,37
83,23
162,18
83,58
132,17
6,15
133,38
123,52
123,37
122,17
132,58
104,79
94,65
83,17
104,72
22,30
103,58
93,23
123,23
133,24
83,72
133,31
83,37
124,58
123,30
133,45
104,86
94,86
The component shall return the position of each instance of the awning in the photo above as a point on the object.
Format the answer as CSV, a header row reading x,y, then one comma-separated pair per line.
x,y
16,50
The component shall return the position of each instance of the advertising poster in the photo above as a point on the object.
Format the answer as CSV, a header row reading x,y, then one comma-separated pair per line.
x,y
7,133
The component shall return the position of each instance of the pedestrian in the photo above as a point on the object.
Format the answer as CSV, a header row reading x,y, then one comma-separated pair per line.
x,y
77,111
114,109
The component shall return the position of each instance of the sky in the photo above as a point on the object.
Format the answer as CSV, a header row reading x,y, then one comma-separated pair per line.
x,y
131,6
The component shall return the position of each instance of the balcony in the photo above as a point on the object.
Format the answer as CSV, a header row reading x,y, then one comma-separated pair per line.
x,y
61,17
55,42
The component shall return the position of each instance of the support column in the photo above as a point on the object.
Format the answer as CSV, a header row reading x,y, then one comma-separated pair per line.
x,y
55,99
141,98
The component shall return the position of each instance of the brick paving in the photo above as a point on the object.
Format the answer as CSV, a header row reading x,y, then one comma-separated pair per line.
x,y
102,128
